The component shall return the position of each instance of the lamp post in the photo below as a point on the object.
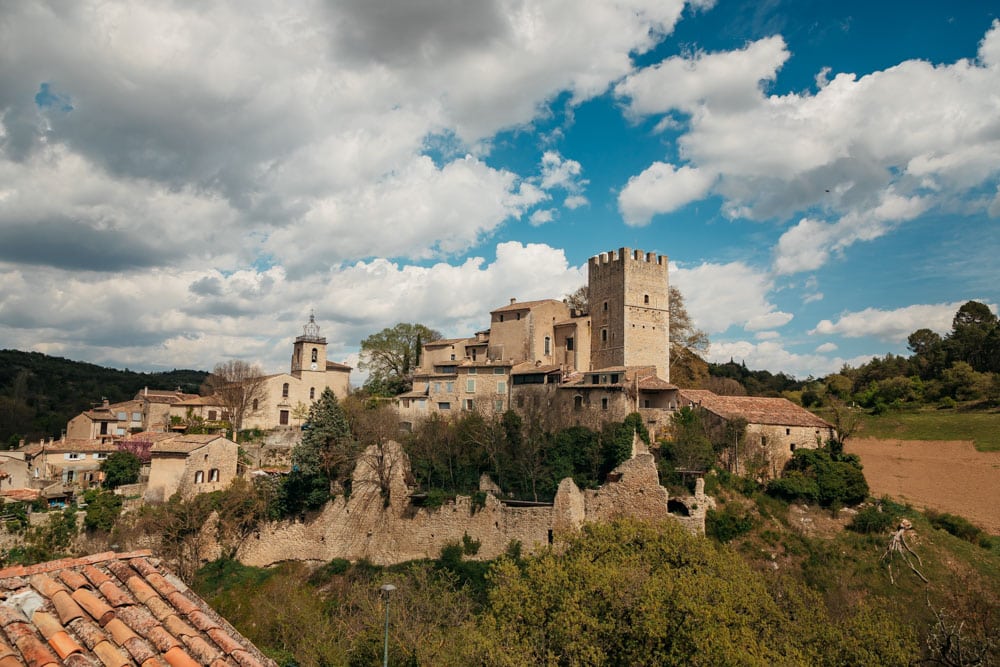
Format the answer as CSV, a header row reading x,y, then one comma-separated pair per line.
x,y
386,590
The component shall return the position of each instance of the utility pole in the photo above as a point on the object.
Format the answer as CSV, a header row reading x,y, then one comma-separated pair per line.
x,y
386,589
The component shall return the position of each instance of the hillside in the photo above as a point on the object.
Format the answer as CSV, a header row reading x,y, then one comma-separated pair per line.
x,y
39,393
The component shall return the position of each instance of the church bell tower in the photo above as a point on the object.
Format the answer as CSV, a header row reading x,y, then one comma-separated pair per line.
x,y
309,350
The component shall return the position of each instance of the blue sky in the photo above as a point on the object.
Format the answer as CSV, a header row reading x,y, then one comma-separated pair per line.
x,y
182,184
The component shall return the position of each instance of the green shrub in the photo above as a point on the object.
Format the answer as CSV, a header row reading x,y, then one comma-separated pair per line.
x,y
470,546
872,519
727,524
794,485
957,526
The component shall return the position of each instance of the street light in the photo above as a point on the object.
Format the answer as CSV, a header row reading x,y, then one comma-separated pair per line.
x,y
386,590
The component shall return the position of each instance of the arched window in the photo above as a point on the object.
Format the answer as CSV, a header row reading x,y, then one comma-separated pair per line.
x,y
284,390
645,298
312,393
199,477
548,346
578,402
315,356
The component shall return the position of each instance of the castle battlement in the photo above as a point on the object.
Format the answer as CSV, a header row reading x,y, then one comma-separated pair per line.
x,y
617,256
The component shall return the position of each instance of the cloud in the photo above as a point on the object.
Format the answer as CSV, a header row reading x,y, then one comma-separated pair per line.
x,y
558,172
771,354
826,347
148,320
892,325
862,154
719,296
541,216
576,201
661,188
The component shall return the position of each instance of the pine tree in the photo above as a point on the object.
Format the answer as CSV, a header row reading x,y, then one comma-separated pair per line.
x,y
326,447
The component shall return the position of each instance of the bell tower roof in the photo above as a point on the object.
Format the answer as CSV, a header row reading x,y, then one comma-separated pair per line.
x,y
310,332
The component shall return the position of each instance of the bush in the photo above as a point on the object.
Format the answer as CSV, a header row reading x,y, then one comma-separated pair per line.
x,y
817,475
103,510
872,519
794,485
727,524
959,527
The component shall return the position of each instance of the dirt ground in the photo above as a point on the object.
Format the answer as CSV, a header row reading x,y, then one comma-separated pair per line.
x,y
948,476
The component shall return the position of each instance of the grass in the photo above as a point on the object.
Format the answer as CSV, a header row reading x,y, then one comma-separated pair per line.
x,y
983,428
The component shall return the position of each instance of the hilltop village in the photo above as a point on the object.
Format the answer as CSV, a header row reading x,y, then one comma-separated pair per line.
x,y
559,365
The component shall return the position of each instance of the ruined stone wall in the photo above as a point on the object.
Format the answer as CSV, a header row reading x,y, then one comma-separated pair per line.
x,y
366,526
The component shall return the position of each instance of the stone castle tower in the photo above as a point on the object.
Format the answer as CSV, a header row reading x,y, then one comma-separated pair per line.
x,y
628,293
309,350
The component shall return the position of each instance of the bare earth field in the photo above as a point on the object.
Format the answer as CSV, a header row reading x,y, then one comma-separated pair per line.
x,y
947,476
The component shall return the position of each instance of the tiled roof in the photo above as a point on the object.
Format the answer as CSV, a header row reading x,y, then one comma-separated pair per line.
x,y
69,445
524,305
337,366
529,368
653,383
113,610
199,400
162,396
444,341
21,495
183,444
755,409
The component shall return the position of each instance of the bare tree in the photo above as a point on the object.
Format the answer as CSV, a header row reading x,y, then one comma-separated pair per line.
x,y
688,344
578,300
237,385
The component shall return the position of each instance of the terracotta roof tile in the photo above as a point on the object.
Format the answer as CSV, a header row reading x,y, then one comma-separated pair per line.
x,y
755,409
112,610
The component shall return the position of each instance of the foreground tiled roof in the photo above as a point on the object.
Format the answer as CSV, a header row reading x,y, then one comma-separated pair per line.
x,y
756,410
113,610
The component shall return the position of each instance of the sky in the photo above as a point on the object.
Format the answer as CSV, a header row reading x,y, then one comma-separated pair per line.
x,y
183,183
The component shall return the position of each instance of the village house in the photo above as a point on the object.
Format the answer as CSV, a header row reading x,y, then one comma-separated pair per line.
x,y
191,464
14,472
73,462
149,410
775,428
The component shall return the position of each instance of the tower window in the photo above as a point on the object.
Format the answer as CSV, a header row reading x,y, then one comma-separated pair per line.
x,y
312,393
645,298
284,390
605,306
548,346
315,354
604,404
604,335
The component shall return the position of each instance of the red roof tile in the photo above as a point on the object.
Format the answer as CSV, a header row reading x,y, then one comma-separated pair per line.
x,y
755,409
111,609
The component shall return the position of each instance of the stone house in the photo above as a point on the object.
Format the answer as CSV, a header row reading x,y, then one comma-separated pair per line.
x,y
73,462
191,464
106,421
775,427
14,472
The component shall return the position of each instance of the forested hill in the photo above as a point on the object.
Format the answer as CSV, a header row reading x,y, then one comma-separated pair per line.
x,y
39,393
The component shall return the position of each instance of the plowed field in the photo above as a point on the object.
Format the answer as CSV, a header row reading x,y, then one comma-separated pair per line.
x,y
948,476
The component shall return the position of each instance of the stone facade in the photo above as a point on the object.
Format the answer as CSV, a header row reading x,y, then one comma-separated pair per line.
x,y
191,464
366,527
628,294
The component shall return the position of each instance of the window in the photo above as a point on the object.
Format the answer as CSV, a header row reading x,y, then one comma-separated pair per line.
x,y
312,393
788,431
72,456
519,316
645,403
605,308
315,355
284,390
473,371
444,405
569,344
614,378
604,404
498,406
498,371
122,416
604,335
199,477
469,404
453,357
120,431
137,416
470,386
437,387
548,346
502,387
578,402
212,415
70,475
100,456
473,354
501,318
213,475
255,404
449,387
283,417
645,298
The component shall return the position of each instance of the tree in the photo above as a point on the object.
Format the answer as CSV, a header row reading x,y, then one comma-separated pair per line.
x,y
120,468
391,355
237,385
688,344
578,300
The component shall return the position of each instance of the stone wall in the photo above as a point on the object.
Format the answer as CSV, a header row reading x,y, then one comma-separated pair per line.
x,y
367,526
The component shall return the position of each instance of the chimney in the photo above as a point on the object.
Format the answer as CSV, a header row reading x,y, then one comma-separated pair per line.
x,y
145,390
513,300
